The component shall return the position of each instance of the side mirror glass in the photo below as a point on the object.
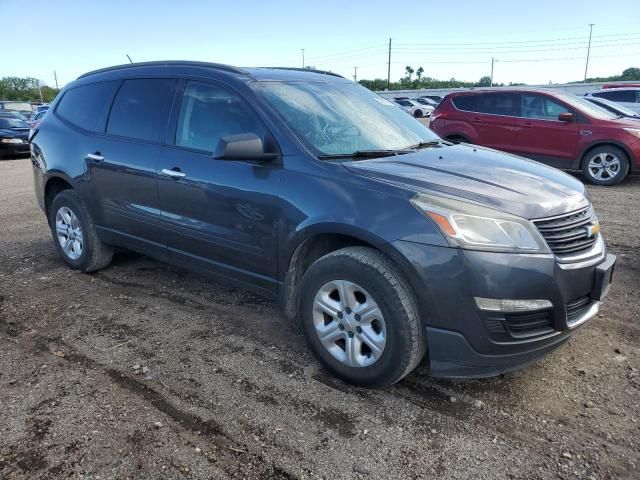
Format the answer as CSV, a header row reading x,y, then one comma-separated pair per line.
x,y
243,146
566,117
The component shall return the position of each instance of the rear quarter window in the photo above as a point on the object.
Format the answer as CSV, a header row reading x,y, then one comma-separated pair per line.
x,y
465,102
86,105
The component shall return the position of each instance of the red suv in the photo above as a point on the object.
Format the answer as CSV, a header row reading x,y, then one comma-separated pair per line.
x,y
556,128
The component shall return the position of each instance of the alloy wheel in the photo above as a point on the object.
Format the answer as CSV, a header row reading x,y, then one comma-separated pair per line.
x,y
69,233
604,166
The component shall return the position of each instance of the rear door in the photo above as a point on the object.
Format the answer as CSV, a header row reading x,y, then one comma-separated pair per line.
x,y
122,163
541,136
494,120
222,215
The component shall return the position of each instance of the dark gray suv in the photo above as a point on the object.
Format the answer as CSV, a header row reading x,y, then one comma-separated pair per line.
x,y
386,243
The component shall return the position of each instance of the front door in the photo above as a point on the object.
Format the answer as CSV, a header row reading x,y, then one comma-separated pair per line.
x,y
541,136
221,214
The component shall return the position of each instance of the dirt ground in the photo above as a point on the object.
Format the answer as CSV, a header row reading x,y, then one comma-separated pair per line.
x,y
147,371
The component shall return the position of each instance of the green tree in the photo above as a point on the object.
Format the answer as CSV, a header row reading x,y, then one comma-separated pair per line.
x,y
25,89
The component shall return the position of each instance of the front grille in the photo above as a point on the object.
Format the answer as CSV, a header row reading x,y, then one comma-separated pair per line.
x,y
568,234
577,307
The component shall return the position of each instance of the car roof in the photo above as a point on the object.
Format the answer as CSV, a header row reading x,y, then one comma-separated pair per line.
x,y
256,73
510,90
617,89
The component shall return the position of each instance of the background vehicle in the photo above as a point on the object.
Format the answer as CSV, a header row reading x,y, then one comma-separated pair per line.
x,y
14,137
435,98
613,107
24,108
415,109
627,97
36,118
427,102
620,85
366,226
556,128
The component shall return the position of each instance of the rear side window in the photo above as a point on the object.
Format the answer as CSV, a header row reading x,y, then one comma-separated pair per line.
x,y
141,108
87,105
497,104
208,113
465,102
618,95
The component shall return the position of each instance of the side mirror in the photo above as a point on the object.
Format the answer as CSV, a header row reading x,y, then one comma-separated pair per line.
x,y
243,146
566,117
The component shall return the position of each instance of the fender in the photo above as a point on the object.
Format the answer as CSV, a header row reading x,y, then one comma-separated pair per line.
x,y
576,164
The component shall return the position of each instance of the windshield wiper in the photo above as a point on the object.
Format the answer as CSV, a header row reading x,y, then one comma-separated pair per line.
x,y
429,144
364,154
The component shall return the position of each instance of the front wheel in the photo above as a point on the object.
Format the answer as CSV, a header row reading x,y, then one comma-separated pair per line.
x,y
360,317
606,165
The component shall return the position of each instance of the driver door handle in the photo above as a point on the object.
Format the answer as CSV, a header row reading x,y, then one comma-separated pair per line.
x,y
175,173
96,157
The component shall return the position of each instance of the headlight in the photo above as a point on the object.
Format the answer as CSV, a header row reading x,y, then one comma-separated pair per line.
x,y
12,140
471,226
634,131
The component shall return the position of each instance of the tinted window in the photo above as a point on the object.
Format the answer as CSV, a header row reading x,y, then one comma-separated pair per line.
x,y
208,113
85,106
496,104
540,107
141,108
465,102
618,95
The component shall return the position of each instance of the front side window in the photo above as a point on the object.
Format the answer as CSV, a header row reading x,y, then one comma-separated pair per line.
x,y
141,108
208,113
334,118
540,107
84,106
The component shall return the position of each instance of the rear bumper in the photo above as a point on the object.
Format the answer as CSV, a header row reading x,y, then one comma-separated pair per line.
x,y
464,341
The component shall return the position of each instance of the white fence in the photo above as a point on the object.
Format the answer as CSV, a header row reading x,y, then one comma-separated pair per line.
x,y
575,88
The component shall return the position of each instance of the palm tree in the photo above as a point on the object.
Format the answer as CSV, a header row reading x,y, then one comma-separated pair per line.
x,y
409,71
419,73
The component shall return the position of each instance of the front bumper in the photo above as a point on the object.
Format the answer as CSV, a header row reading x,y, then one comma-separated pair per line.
x,y
14,149
464,341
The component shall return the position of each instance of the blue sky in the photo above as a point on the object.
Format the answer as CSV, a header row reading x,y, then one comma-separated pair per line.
x,y
536,41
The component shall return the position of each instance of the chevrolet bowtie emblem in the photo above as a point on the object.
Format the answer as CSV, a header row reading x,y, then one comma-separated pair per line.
x,y
592,230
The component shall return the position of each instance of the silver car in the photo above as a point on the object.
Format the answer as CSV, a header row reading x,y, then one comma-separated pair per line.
x,y
626,96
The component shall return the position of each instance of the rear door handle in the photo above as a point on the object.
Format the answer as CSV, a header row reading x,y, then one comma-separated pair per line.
x,y
174,173
96,157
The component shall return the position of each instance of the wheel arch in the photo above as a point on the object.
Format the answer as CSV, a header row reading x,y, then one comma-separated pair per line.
x,y
55,184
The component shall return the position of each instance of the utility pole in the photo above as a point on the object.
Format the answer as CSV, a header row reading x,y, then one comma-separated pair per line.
x,y
355,74
40,90
130,61
492,60
55,75
302,57
389,68
588,51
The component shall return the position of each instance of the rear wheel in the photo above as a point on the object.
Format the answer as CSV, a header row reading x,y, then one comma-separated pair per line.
x,y
418,114
74,234
360,317
606,165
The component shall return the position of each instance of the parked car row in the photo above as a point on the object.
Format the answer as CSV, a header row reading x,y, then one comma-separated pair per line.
x,y
560,129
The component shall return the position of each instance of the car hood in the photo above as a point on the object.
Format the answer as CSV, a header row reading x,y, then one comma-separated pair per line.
x,y
498,180
14,133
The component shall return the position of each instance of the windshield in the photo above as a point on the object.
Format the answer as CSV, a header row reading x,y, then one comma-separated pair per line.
x,y
18,106
613,107
12,123
342,118
587,107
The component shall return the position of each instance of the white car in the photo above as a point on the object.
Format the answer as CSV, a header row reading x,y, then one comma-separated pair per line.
x,y
426,101
416,109
626,96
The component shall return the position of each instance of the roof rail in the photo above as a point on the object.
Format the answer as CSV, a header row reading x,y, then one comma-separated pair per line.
x,y
166,63
311,70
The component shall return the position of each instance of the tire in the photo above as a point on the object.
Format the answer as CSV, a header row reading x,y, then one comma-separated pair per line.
x,y
369,279
599,163
418,114
457,139
92,254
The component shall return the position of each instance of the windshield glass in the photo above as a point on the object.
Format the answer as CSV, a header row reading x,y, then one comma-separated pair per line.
x,y
12,123
18,106
342,118
587,107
